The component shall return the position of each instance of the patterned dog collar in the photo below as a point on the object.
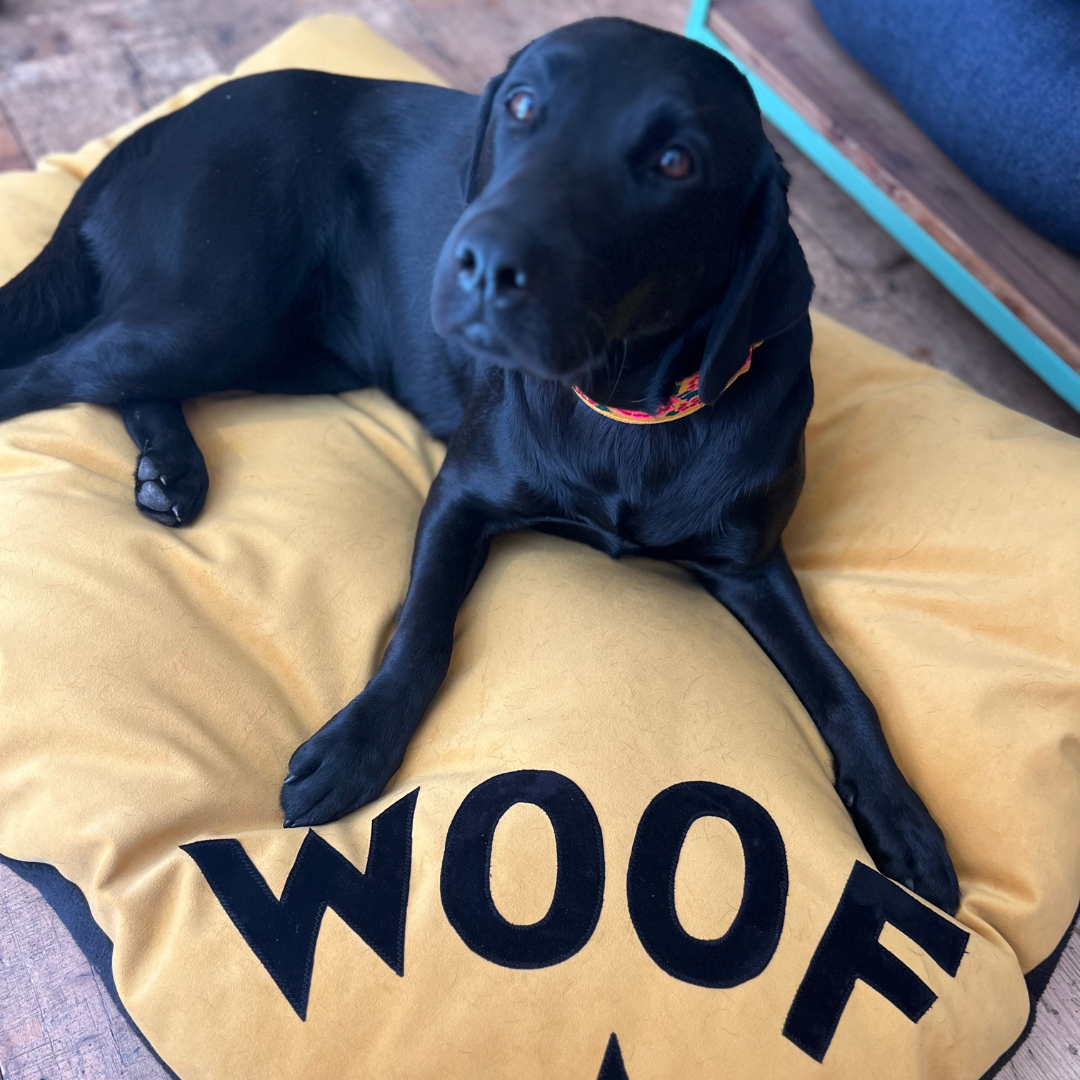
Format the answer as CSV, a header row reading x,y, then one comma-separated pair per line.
x,y
683,402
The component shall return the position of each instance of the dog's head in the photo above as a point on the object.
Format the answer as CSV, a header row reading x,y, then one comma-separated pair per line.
x,y
621,189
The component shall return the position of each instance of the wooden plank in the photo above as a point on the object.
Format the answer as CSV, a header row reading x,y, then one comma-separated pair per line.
x,y
69,72
866,280
463,41
785,43
11,151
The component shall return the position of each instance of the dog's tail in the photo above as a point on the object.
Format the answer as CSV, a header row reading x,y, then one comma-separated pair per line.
x,y
53,296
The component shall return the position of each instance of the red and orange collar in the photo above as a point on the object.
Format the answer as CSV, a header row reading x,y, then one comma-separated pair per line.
x,y
683,402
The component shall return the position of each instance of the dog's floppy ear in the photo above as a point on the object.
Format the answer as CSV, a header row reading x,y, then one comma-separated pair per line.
x,y
480,164
770,288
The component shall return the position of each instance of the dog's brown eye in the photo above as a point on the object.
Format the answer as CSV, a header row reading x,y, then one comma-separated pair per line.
x,y
521,105
675,163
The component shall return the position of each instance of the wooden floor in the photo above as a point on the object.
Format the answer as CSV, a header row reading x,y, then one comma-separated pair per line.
x,y
72,69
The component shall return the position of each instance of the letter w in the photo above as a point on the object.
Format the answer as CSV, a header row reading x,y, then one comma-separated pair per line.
x,y
282,933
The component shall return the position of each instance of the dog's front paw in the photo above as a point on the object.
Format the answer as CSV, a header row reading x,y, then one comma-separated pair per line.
x,y
902,838
345,764
171,487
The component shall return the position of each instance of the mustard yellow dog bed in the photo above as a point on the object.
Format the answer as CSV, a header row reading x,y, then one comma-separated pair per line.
x,y
614,848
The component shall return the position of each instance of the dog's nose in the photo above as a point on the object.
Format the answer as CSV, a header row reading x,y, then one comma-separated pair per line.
x,y
491,268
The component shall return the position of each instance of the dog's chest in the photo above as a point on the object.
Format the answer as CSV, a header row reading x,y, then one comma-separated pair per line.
x,y
629,509
625,489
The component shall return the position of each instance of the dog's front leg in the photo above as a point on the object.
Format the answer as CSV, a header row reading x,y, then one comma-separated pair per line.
x,y
349,761
892,821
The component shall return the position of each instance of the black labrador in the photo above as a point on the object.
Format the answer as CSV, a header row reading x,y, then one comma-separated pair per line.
x,y
598,244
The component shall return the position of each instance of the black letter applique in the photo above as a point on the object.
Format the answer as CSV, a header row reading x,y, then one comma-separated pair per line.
x,y
850,950
282,933
746,949
579,878
612,1067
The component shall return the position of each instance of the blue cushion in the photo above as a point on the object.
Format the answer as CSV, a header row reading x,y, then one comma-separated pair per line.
x,y
995,83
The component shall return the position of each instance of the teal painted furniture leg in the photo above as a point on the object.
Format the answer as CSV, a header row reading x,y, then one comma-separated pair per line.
x,y
1046,363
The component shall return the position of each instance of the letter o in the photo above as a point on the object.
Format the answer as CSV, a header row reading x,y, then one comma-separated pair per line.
x,y
745,950
579,878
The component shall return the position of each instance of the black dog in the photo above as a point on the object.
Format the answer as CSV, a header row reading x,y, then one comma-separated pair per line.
x,y
612,222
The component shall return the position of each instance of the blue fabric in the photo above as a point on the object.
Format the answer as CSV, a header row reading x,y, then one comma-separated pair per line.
x,y
995,83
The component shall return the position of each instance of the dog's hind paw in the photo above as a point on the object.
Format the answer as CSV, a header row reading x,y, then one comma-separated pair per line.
x,y
904,840
171,490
